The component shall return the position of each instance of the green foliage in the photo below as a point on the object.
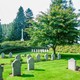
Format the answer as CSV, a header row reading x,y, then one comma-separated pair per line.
x,y
6,31
18,24
28,14
69,48
0,32
14,46
55,27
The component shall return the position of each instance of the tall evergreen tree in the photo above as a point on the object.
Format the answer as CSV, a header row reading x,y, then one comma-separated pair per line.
x,y
70,3
18,24
0,32
29,16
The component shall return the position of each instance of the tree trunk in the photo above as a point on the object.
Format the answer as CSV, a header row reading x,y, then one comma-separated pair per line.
x,y
54,49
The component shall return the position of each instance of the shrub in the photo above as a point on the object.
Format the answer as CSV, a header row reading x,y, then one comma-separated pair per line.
x,y
14,46
69,48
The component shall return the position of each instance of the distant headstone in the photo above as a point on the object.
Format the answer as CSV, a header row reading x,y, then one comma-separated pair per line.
x,y
18,57
47,50
38,57
52,56
46,57
58,56
28,56
36,50
10,54
41,50
2,55
1,72
72,64
16,68
30,62
32,50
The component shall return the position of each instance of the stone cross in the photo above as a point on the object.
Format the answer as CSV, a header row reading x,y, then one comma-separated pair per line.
x,y
1,72
22,38
2,55
38,57
52,56
30,62
58,56
72,64
10,54
18,57
46,57
16,68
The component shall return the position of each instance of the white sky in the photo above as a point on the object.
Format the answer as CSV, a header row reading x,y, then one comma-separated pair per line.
x,y
9,8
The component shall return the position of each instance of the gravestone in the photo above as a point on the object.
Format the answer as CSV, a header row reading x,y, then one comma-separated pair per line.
x,y
52,56
2,55
10,54
16,68
72,64
46,57
41,50
1,72
32,50
38,57
58,56
28,56
47,50
30,62
18,57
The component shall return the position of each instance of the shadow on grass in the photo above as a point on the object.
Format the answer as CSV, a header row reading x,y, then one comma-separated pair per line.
x,y
68,56
39,70
27,75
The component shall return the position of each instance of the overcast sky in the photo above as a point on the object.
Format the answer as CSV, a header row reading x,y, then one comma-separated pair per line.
x,y
9,8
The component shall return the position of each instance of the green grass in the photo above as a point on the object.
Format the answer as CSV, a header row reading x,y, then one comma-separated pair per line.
x,y
44,70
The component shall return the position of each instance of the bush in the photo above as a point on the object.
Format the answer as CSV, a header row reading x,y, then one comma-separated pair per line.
x,y
69,48
14,46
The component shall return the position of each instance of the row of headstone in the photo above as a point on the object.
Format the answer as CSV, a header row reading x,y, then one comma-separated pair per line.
x,y
39,50
72,64
3,55
46,56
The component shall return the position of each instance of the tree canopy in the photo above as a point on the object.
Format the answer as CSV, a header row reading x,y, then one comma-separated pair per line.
x,y
55,27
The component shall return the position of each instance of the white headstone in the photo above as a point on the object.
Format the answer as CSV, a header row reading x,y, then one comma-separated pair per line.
x,y
58,56
1,72
46,50
16,68
2,55
30,62
52,56
46,56
32,50
10,54
38,57
72,64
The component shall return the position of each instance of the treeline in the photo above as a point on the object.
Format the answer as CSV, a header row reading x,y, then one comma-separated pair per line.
x,y
12,31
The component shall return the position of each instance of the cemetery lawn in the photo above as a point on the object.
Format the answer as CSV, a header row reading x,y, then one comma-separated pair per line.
x,y
44,70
